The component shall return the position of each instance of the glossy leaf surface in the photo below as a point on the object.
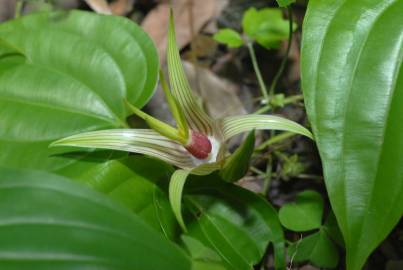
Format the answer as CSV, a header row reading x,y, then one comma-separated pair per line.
x,y
58,224
353,86
304,214
203,258
78,69
234,222
316,248
136,182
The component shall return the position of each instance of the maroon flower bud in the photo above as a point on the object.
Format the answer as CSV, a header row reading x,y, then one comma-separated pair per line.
x,y
199,145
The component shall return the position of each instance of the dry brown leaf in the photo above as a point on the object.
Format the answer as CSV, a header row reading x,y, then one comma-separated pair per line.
x,y
7,9
99,6
211,26
121,7
219,95
251,183
203,49
156,21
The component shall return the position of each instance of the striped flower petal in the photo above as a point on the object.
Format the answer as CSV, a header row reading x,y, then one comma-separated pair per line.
x,y
177,183
234,125
196,117
142,141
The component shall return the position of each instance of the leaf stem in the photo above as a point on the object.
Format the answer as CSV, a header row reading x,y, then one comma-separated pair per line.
x,y
275,139
18,8
267,177
284,61
293,99
262,86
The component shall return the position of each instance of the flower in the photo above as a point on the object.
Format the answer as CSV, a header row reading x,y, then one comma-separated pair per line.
x,y
196,146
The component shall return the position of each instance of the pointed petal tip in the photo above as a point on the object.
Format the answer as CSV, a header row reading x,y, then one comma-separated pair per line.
x,y
57,143
141,141
196,117
234,125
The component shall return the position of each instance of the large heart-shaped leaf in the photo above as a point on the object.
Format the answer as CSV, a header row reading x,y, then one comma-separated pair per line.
x,y
234,222
353,87
78,69
137,182
48,222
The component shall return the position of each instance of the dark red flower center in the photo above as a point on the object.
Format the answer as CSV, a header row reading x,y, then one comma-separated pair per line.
x,y
199,145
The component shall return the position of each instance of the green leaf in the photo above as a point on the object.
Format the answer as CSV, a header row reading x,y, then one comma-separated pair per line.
x,y
229,37
58,224
207,265
285,3
8,50
316,248
234,222
333,230
267,26
203,258
74,79
353,89
304,214
137,182
237,165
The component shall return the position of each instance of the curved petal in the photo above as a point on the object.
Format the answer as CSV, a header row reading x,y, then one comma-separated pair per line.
x,y
195,115
142,141
177,183
234,125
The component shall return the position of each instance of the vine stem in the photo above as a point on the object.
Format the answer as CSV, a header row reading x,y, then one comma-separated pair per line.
x,y
262,86
284,61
